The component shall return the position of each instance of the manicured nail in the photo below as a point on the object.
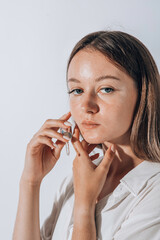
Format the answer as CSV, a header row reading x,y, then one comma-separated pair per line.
x,y
68,123
113,148
65,137
54,144
67,113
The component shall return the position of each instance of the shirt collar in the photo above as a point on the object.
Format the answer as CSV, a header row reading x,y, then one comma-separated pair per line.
x,y
136,179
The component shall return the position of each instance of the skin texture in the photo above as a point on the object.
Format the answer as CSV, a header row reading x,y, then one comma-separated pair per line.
x,y
110,103
88,182
113,110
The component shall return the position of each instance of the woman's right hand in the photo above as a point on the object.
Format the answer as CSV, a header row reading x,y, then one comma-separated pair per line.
x,y
41,154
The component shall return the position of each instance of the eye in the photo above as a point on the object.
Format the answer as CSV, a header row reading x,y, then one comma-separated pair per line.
x,y
75,90
79,91
108,90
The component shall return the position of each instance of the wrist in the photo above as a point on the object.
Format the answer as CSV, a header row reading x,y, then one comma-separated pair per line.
x,y
84,207
83,215
84,203
29,183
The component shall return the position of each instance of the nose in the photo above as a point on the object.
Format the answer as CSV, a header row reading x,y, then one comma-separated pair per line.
x,y
89,104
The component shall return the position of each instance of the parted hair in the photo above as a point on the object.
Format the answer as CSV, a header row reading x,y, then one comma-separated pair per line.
x,y
131,56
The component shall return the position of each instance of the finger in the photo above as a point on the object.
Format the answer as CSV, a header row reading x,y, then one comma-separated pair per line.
x,y
87,146
66,116
53,134
77,146
75,135
57,149
108,157
56,124
93,157
76,132
42,140
76,143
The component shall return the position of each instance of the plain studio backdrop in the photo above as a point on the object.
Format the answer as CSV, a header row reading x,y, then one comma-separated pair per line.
x,y
36,38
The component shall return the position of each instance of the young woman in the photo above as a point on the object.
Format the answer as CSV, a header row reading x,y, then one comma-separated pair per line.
x,y
113,86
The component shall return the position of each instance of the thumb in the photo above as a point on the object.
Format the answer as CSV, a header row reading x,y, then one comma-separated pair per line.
x,y
65,116
56,151
108,157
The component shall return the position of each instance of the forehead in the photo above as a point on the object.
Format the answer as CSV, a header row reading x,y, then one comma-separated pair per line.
x,y
91,63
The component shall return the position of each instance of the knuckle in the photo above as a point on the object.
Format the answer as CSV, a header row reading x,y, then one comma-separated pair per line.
x,y
39,137
48,141
35,135
60,120
110,155
29,145
48,121
103,168
42,132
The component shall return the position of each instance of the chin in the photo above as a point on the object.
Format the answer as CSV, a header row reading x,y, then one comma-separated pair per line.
x,y
97,140
94,137
92,140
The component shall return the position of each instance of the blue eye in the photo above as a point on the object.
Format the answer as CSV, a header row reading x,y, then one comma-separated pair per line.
x,y
110,90
74,91
79,91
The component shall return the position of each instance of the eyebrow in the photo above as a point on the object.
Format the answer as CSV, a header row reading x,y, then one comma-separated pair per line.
x,y
101,78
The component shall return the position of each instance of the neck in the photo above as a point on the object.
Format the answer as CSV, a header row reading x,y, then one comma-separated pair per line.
x,y
124,161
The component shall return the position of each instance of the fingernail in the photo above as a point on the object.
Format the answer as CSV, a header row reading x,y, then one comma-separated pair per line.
x,y
54,144
65,137
65,114
68,123
113,148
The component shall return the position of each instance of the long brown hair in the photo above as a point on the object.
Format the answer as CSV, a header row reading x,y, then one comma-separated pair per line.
x,y
130,55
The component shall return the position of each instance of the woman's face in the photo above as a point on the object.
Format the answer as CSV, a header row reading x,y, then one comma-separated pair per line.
x,y
101,93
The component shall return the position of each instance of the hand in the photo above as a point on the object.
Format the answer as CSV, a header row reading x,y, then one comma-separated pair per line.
x,y
88,178
41,154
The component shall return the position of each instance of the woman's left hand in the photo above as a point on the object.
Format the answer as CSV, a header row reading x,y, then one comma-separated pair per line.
x,y
88,178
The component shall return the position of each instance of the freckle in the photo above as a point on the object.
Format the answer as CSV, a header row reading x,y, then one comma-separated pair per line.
x,y
78,153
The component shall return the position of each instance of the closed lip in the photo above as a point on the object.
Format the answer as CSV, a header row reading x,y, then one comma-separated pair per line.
x,y
89,122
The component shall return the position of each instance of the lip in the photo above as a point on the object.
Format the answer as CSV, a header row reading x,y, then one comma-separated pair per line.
x,y
88,122
89,126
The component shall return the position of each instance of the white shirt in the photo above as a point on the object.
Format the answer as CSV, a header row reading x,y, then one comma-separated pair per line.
x,y
130,212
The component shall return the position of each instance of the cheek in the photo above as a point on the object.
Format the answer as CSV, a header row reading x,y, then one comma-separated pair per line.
x,y
75,110
121,112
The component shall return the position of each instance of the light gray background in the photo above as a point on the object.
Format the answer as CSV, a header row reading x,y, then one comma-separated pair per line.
x,y
36,38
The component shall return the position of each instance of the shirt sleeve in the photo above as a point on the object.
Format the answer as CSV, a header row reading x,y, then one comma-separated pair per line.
x,y
49,224
144,220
